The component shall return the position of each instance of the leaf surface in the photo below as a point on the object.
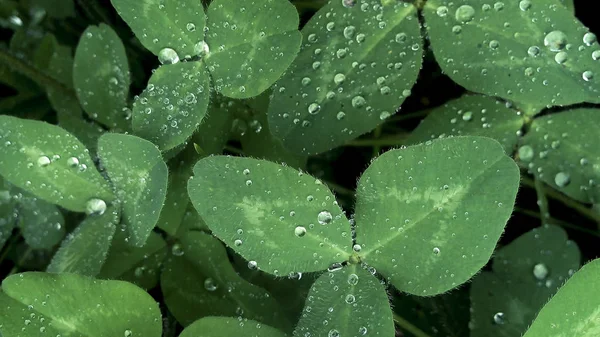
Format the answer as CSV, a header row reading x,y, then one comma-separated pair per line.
x,y
229,327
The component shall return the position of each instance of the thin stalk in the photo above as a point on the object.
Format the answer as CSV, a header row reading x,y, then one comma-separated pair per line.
x,y
542,200
377,147
388,141
585,211
339,188
408,326
557,222
412,115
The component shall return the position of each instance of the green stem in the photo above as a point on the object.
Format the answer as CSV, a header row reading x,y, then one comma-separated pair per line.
x,y
20,261
339,188
557,221
389,141
542,200
412,115
408,326
377,147
587,212
34,74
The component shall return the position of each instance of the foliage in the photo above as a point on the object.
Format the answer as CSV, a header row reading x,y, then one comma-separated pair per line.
x,y
242,168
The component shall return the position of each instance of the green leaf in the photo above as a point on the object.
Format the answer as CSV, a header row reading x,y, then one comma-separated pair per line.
x,y
532,52
213,133
229,327
280,219
173,104
101,76
43,53
428,216
570,4
355,68
471,115
92,308
526,273
198,280
251,44
50,163
561,149
139,174
352,302
140,266
8,216
159,24
84,251
42,224
574,310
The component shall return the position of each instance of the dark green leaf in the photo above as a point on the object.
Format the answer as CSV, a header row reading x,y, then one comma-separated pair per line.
x,y
42,224
50,163
139,175
229,327
428,217
355,68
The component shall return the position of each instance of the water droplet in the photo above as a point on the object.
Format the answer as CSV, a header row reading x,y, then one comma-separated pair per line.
x,y
384,115
587,75
201,49
312,38
177,250
350,299
246,172
306,81
43,161
533,51
467,116
349,32
540,271
340,115
95,207
524,5
356,248
252,265
190,27
561,57
248,182
362,330
210,285
562,179
464,13
526,153
314,108
333,333
237,242
360,38
358,102
330,26
348,3
128,333
168,56
499,318
494,44
436,250
299,231
324,217
589,38
442,11
555,40
339,79
353,279
596,55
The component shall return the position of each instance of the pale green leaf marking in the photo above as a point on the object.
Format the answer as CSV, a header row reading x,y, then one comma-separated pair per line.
x,y
139,175
355,68
270,214
532,52
35,156
574,310
428,216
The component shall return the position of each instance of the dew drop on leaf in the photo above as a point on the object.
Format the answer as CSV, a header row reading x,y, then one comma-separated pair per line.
x,y
128,333
333,333
348,3
464,13
526,153
562,179
555,40
540,271
43,161
324,217
252,265
95,207
436,250
499,318
210,285
524,5
177,250
300,231
357,248
168,56
353,279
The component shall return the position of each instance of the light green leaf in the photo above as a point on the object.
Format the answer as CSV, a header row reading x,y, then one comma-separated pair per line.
x,y
562,150
428,217
251,45
471,115
198,280
532,52
355,68
352,301
279,218
570,4
159,24
140,266
93,308
229,327
84,251
139,174
574,310
8,216
526,273
101,76
173,104
50,163
42,224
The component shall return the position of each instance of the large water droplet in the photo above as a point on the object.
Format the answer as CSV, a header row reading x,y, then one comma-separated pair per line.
x,y
324,217
300,231
589,38
540,271
128,333
177,250
350,299
561,57
252,265
339,78
442,11
349,32
95,207
314,108
358,102
562,179
43,161
525,5
587,75
168,56
210,285
526,153
348,3
555,40
333,333
499,318
464,13
353,279
201,49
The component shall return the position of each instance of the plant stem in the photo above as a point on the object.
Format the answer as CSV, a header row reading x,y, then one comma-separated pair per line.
x,y
408,326
587,212
542,200
557,221
377,147
412,115
388,141
34,74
